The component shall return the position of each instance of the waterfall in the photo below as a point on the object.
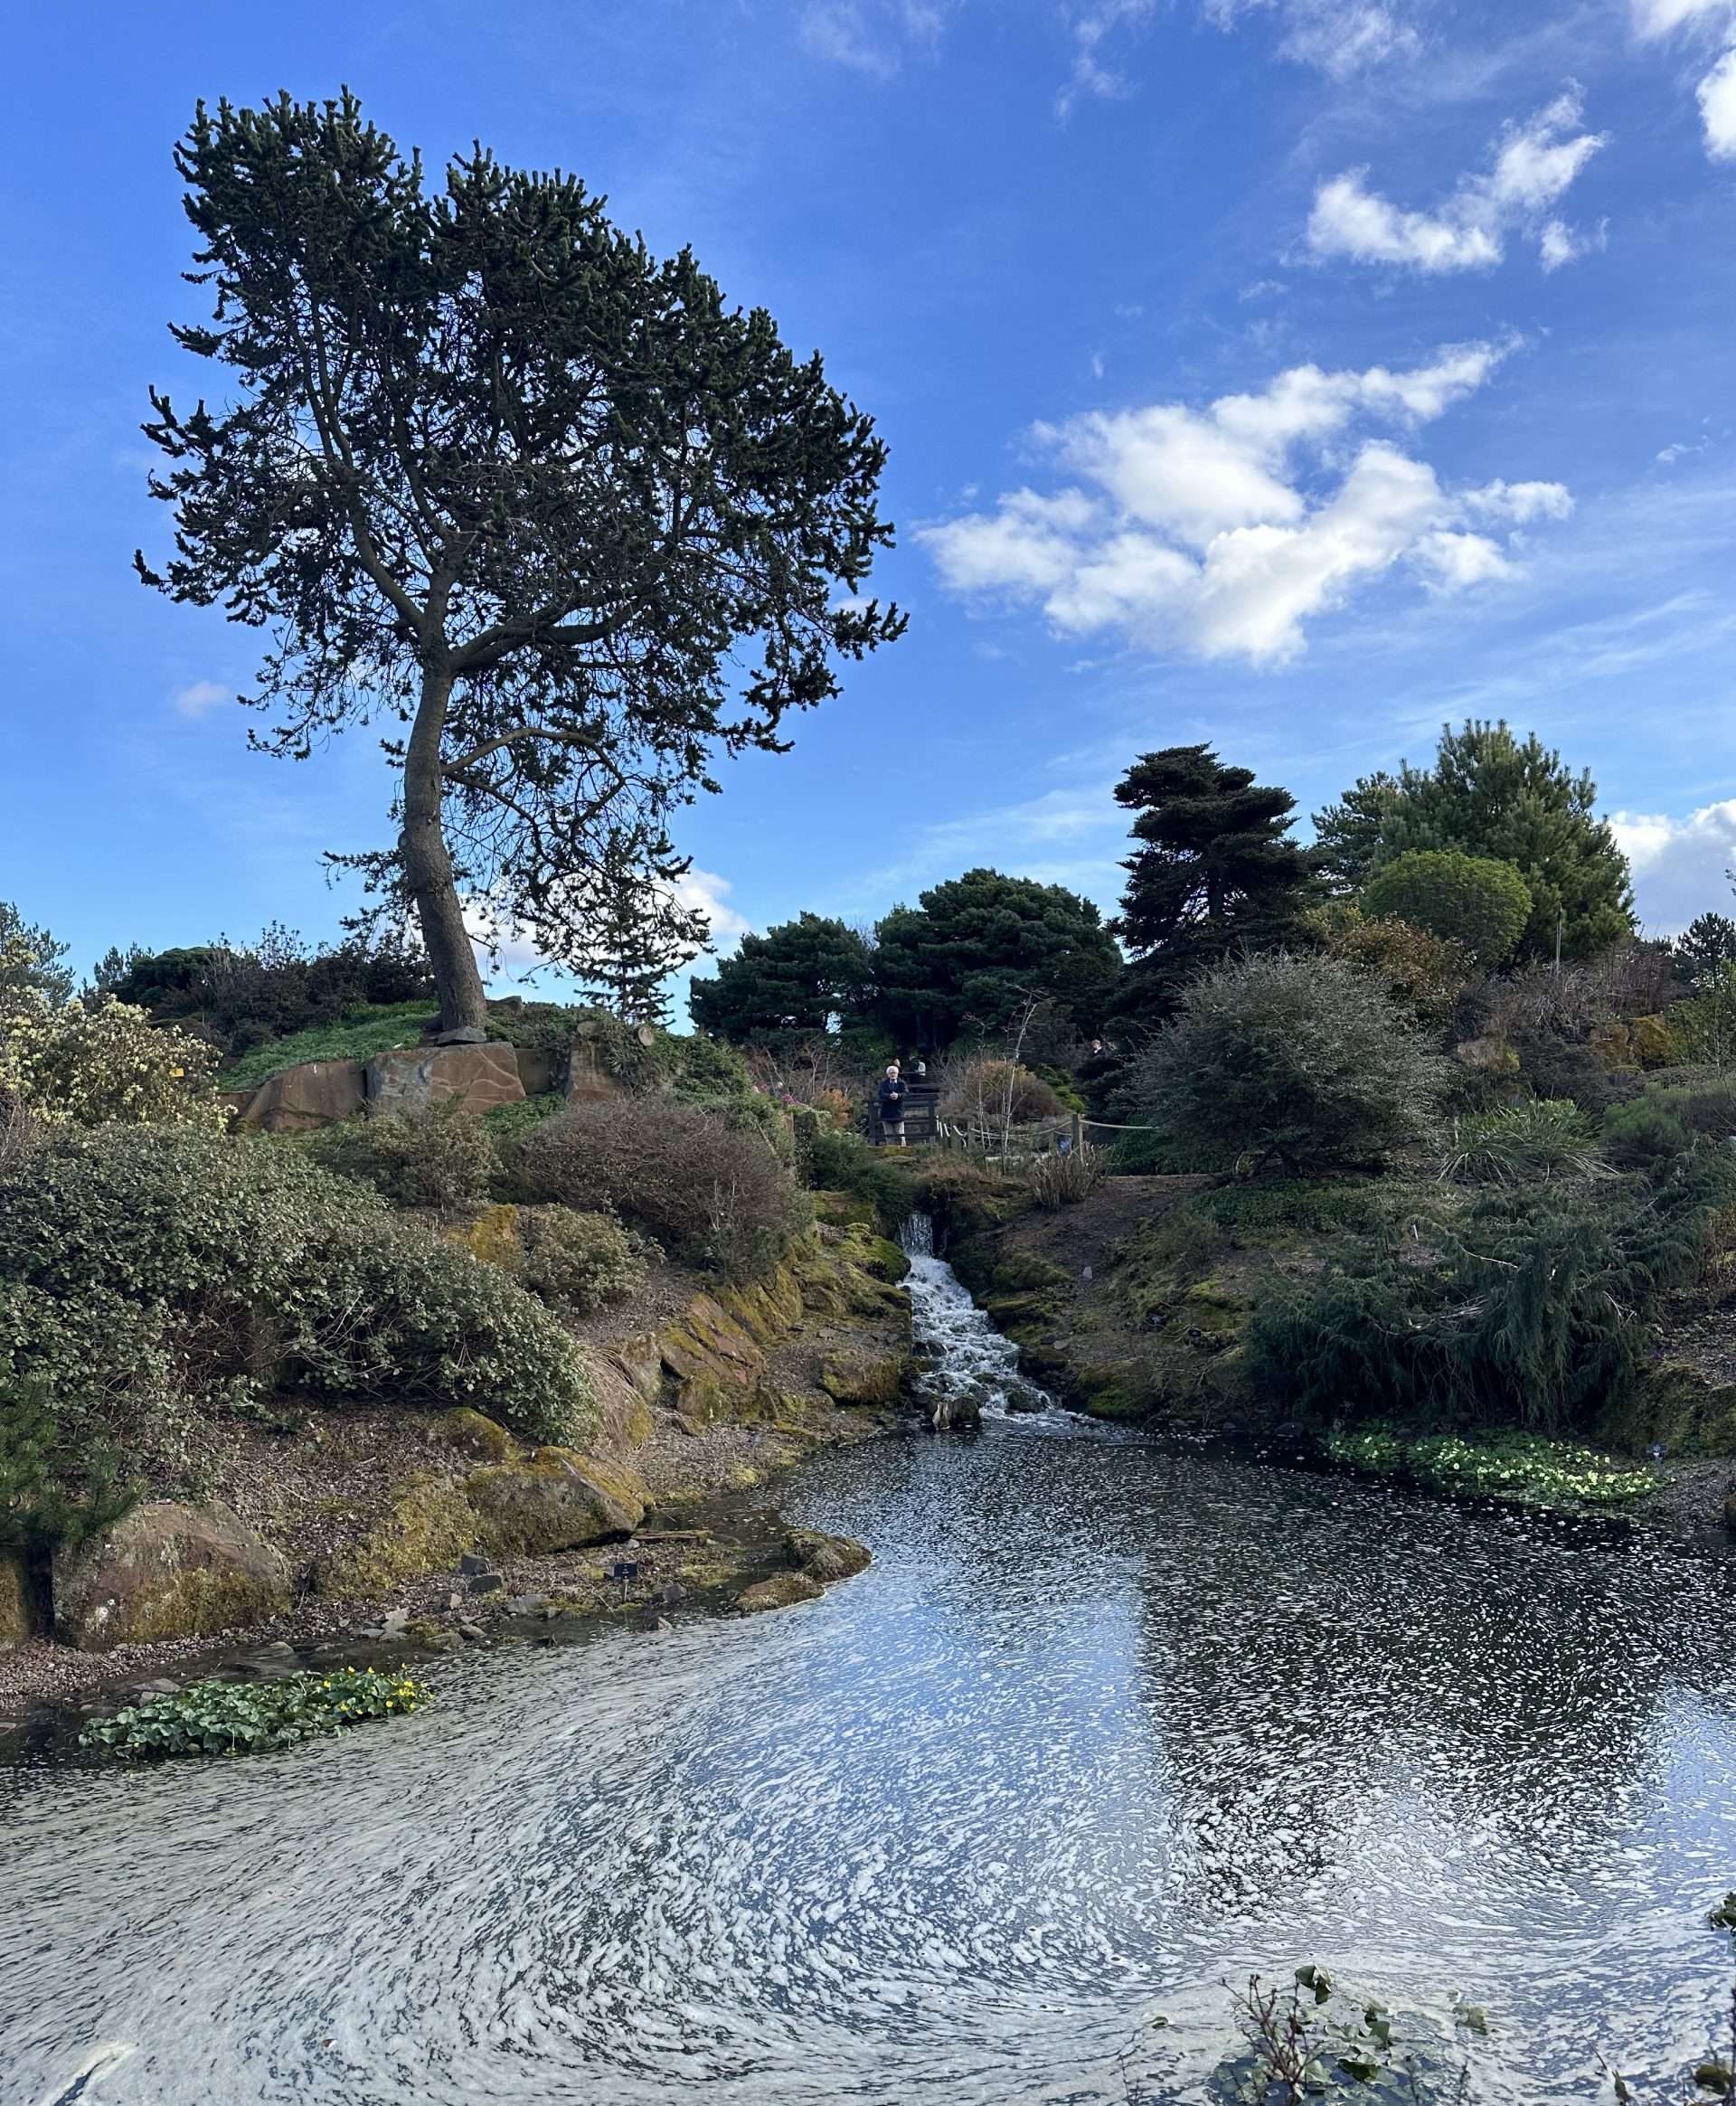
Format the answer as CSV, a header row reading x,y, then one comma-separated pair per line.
x,y
968,1369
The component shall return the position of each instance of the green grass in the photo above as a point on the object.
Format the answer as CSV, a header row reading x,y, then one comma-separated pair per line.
x,y
354,1037
1524,1469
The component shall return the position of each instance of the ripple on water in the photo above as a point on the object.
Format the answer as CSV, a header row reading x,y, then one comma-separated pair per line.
x,y
1101,1728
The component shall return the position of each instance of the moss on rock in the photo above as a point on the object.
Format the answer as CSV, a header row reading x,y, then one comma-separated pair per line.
x,y
427,1528
166,1571
554,1500
467,1432
864,1378
827,1558
782,1590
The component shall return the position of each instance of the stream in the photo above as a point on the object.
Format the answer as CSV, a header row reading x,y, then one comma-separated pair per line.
x,y
1103,1729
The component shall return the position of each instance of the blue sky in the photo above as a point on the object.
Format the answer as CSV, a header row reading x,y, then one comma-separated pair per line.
x,y
1294,374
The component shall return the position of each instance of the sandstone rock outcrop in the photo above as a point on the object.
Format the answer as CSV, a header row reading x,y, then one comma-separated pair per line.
x,y
554,1500
475,1078
166,1571
296,1100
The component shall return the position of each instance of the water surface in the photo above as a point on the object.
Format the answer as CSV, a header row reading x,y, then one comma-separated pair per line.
x,y
1101,1728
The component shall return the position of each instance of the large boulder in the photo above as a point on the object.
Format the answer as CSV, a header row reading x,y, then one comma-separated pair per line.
x,y
17,1609
475,1078
555,1500
166,1571
297,1100
827,1558
864,1378
588,1081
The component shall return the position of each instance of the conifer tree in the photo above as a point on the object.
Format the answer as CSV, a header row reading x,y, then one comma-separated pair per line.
x,y
493,471
1213,870
788,983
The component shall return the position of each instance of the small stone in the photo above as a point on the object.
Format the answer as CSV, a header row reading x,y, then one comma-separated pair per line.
x,y
528,1604
395,1622
462,1034
162,1687
485,1582
473,1632
784,1590
470,1563
455,1600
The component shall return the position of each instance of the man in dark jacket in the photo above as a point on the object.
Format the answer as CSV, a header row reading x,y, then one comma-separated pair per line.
x,y
891,1094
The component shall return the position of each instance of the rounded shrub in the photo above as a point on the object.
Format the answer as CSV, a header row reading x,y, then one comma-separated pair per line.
x,y
580,1261
153,1262
1304,1061
440,1158
1472,900
710,1193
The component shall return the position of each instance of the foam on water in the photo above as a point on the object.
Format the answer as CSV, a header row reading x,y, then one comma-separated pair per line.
x,y
1102,1729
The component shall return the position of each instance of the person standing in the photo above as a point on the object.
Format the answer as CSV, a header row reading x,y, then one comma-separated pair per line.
x,y
892,1093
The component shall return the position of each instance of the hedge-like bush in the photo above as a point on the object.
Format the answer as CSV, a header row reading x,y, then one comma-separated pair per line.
x,y
440,1158
710,1193
1301,1059
1472,900
143,1265
580,1261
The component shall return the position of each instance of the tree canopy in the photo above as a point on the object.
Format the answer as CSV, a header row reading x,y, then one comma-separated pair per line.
x,y
1213,869
1471,900
31,960
1491,793
791,982
977,950
1706,950
494,472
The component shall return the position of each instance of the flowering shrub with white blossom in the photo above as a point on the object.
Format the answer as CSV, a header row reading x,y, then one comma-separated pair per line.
x,y
70,1063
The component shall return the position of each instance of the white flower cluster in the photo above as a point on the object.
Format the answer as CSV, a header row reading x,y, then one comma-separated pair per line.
x,y
70,1063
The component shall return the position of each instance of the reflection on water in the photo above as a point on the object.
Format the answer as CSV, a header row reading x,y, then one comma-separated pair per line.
x,y
1101,1728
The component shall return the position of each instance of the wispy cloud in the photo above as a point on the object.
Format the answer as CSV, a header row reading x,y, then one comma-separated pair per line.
x,y
200,697
1205,530
1705,22
1338,37
1533,166
870,36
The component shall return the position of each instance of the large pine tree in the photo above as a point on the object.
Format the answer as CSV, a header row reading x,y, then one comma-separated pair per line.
x,y
1213,870
490,473
791,983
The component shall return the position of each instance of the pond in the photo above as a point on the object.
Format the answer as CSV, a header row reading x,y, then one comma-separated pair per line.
x,y
1103,1728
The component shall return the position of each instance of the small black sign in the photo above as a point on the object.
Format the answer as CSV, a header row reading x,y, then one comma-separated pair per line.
x,y
625,1572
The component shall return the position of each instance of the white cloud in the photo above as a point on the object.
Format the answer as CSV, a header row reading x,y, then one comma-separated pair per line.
x,y
709,894
1680,865
1717,94
201,697
1717,90
1535,165
1220,532
869,36
1340,37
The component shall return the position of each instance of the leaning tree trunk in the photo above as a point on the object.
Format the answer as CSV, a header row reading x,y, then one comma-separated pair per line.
x,y
427,865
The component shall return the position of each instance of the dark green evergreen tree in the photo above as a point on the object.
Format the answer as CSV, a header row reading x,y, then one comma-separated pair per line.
x,y
976,950
31,960
1705,951
794,982
1214,872
1509,800
494,472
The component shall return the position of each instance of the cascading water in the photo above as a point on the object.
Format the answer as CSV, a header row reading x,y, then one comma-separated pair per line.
x,y
968,1372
